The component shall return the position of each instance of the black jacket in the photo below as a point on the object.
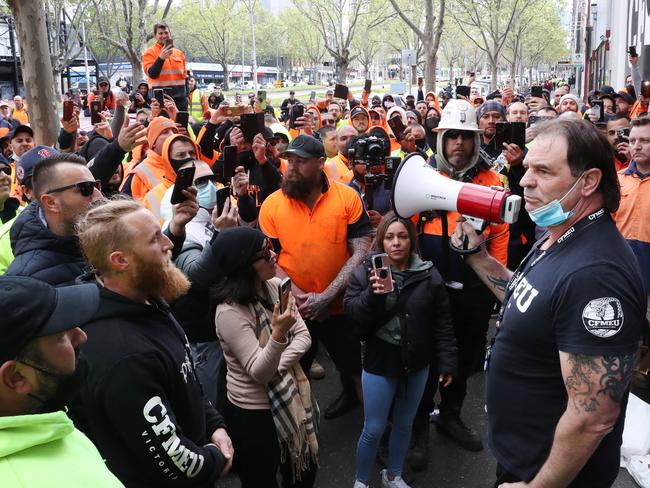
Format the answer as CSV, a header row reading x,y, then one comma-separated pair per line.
x,y
427,334
41,254
143,404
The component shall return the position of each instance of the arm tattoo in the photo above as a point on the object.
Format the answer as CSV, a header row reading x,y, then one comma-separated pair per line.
x,y
592,376
498,283
359,247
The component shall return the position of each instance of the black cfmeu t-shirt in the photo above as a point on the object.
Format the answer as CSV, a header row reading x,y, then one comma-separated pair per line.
x,y
584,295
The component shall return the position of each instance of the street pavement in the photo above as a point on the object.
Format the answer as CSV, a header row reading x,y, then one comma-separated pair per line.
x,y
450,466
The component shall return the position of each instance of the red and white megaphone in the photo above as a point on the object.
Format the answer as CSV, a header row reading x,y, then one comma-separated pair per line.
x,y
418,187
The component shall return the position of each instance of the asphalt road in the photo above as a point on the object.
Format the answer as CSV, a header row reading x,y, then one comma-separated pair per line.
x,y
450,466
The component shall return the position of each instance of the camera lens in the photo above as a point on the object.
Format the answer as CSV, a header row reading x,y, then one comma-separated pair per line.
x,y
383,274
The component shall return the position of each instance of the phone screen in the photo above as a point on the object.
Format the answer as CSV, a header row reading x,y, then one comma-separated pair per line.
x,y
184,179
398,127
518,134
536,91
222,195
251,125
261,97
284,294
597,109
95,109
502,135
158,95
229,162
68,110
645,88
182,118
297,111
341,91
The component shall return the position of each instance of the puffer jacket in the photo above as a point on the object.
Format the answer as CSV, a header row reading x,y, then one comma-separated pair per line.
x,y
424,312
41,254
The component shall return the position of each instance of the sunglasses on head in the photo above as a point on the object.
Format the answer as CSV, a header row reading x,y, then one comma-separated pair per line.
x,y
201,181
453,134
86,188
266,253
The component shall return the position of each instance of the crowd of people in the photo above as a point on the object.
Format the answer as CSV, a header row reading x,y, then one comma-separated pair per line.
x,y
169,276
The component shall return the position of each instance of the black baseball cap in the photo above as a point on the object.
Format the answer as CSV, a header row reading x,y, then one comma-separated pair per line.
x,y
625,96
304,146
33,308
19,129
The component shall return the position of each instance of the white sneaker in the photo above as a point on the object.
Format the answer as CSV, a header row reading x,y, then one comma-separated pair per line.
x,y
358,484
398,482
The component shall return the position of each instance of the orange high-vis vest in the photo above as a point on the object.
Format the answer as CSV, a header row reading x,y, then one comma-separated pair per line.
x,y
173,71
337,170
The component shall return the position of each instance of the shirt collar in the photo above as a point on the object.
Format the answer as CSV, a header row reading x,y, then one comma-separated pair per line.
x,y
633,170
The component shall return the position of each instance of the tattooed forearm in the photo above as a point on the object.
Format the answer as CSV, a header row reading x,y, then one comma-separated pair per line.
x,y
359,247
594,376
497,282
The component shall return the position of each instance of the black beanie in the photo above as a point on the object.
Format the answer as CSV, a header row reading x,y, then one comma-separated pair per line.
x,y
235,247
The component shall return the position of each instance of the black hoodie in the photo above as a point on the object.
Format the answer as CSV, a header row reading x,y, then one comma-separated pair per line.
x,y
142,402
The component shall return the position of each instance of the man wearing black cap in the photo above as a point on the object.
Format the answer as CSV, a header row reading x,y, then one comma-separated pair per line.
x,y
42,236
321,232
624,102
285,108
143,402
40,370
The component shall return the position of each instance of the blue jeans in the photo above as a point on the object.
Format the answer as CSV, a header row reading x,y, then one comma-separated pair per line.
x,y
378,395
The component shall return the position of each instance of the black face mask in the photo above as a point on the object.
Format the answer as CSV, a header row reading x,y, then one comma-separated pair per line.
x,y
431,123
68,385
178,163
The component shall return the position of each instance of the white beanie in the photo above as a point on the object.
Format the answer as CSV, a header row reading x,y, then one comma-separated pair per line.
x,y
570,96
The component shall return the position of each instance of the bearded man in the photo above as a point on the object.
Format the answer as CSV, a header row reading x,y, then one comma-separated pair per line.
x,y
143,403
321,232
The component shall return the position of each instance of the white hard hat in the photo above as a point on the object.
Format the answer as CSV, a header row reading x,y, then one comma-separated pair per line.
x,y
458,115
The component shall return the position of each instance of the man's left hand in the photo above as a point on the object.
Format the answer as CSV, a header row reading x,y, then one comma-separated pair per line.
x,y
184,212
513,154
314,306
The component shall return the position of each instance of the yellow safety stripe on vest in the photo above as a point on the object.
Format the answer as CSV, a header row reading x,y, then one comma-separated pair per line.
x,y
151,202
146,175
172,72
159,84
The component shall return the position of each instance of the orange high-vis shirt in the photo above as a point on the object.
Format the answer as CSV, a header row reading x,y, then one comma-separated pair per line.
x,y
314,243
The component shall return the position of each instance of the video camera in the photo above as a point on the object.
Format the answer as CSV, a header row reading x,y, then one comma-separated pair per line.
x,y
374,152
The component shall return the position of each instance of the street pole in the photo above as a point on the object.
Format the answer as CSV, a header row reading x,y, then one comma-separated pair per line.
x,y
83,35
251,5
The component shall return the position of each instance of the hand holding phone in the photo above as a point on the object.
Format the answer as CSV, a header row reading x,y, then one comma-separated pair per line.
x,y
95,110
381,277
398,127
184,179
284,292
368,86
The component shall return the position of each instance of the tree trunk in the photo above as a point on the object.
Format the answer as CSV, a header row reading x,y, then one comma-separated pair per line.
x,y
495,74
451,71
36,67
430,71
343,64
226,74
136,69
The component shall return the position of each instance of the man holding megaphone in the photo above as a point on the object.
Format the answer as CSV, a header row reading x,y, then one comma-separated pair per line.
x,y
571,322
418,187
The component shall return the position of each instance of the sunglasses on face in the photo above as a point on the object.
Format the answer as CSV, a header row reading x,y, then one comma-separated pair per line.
x,y
86,188
328,122
201,181
453,134
6,170
266,253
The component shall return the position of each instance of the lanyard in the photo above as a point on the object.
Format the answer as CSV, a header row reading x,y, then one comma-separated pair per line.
x,y
561,242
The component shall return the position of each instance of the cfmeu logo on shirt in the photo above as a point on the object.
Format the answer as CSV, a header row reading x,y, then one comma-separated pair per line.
x,y
603,317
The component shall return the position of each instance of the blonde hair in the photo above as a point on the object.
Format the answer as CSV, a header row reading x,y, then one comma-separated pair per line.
x,y
102,230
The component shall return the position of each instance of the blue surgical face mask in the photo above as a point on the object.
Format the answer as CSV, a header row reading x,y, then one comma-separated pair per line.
x,y
207,196
552,213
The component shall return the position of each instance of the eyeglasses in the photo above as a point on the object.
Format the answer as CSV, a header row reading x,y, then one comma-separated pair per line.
x,y
266,253
328,122
453,134
201,181
5,169
86,188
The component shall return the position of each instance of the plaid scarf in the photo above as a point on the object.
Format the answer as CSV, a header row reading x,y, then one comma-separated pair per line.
x,y
291,406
